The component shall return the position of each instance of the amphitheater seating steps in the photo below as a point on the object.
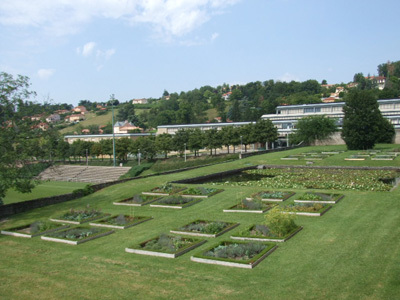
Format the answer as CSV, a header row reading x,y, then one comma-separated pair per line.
x,y
83,173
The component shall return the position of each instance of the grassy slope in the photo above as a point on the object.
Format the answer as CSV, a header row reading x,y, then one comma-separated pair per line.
x,y
352,252
45,189
92,119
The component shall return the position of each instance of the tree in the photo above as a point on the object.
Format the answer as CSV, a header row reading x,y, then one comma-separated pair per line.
x,y
179,140
164,143
386,132
195,142
314,128
126,112
212,140
123,147
362,120
14,157
265,131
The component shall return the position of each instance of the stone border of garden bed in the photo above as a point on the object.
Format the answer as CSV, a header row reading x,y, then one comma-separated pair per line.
x,y
203,196
70,242
310,214
271,199
320,201
247,211
79,222
26,235
121,227
191,233
165,254
243,238
120,202
243,265
177,206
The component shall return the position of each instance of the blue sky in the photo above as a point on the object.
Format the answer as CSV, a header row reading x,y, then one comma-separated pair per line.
x,y
76,49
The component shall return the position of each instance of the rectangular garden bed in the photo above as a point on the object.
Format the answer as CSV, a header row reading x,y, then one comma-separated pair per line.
x,y
205,228
251,234
138,200
80,216
120,221
164,190
314,197
34,229
175,202
77,235
200,192
271,196
307,209
166,246
250,206
236,254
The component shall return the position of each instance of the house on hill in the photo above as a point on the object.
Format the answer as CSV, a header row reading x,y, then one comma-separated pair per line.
x,y
80,109
74,118
53,118
140,101
125,127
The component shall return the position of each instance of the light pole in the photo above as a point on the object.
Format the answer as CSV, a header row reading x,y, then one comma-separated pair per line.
x,y
113,134
138,157
87,159
185,152
241,144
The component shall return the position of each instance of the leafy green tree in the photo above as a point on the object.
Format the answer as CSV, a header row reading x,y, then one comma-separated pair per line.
x,y
247,135
314,128
212,140
164,143
146,145
123,147
386,132
196,139
107,147
179,140
362,120
126,112
227,136
97,150
234,112
265,131
62,150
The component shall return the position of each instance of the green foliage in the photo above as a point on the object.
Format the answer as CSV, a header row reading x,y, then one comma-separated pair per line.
x,y
40,226
250,204
199,191
279,223
137,170
87,190
205,227
76,233
305,207
362,120
80,215
167,243
313,128
236,251
340,179
175,200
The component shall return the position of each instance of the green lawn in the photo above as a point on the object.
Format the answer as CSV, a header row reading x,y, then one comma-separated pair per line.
x,y
352,252
45,189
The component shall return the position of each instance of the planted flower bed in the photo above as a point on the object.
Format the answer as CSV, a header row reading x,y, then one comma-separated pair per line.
x,y
137,200
175,202
165,190
120,221
77,235
166,246
35,229
75,216
304,178
271,196
200,192
235,254
356,157
205,228
383,157
250,206
307,209
314,197
263,233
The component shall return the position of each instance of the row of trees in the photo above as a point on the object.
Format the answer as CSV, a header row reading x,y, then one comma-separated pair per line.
x,y
189,139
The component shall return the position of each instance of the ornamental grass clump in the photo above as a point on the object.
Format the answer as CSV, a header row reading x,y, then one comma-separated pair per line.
x,y
278,223
79,215
174,200
166,243
236,251
205,227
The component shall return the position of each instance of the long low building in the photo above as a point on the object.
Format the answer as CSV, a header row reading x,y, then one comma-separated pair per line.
x,y
98,137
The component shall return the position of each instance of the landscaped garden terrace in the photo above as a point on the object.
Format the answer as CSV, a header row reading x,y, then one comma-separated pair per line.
x,y
351,252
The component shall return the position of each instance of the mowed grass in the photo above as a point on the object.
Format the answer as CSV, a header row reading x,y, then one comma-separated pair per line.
x,y
45,189
352,252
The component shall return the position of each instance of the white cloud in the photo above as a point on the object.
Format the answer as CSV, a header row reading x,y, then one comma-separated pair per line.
x,y
99,56
45,73
214,36
287,77
87,49
60,17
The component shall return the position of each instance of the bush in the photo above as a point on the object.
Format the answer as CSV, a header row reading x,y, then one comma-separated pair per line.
x,y
280,224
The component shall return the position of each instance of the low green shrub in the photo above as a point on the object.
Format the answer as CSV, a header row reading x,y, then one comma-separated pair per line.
x,y
278,223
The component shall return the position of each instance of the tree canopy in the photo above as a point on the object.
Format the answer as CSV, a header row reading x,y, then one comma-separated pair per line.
x,y
314,128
